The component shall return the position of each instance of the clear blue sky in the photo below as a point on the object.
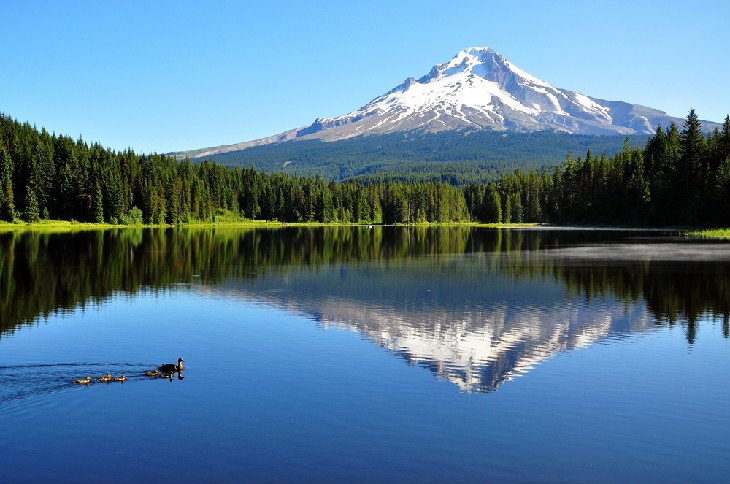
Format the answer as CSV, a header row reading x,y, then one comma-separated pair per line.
x,y
170,75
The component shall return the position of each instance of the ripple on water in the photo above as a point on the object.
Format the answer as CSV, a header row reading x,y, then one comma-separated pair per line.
x,y
19,382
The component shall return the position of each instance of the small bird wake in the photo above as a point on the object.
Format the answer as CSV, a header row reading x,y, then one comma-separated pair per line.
x,y
24,381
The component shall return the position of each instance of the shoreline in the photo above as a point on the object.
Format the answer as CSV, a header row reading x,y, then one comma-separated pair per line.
x,y
65,225
72,226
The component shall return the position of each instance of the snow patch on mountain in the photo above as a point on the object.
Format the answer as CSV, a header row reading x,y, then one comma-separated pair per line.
x,y
477,89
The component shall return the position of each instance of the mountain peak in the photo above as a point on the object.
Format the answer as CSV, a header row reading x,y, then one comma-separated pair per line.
x,y
478,51
483,62
477,89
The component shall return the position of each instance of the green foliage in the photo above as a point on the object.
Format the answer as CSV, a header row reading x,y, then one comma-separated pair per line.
x,y
507,212
98,205
453,157
30,214
133,217
7,199
493,206
92,184
678,178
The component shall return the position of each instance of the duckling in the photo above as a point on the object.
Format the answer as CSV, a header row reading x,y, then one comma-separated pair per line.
x,y
106,378
172,367
167,376
120,378
155,373
83,381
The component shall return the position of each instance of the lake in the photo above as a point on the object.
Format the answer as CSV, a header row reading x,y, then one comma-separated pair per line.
x,y
345,354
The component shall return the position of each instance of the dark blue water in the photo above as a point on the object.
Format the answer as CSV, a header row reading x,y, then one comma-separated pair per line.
x,y
405,355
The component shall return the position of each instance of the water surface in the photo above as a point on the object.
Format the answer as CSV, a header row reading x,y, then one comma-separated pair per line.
x,y
336,354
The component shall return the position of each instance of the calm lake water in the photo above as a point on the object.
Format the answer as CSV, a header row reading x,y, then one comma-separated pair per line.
x,y
349,354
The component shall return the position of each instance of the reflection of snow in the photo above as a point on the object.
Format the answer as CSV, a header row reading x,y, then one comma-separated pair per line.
x,y
460,347
477,349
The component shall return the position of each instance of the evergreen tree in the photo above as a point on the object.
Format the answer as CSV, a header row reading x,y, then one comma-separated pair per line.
x,y
507,212
692,166
98,205
725,139
517,212
721,198
7,200
474,195
31,213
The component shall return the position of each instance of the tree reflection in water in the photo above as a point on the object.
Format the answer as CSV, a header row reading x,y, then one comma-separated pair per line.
x,y
44,273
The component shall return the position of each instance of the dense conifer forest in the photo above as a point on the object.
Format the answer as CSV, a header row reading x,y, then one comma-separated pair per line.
x,y
455,157
680,177
49,176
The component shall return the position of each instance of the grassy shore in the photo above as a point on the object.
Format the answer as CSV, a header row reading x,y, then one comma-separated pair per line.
x,y
72,226
53,226
710,233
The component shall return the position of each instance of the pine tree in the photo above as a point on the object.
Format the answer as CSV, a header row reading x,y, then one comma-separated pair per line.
x,y
98,205
721,214
655,152
31,213
507,212
7,200
692,142
692,166
725,139
43,175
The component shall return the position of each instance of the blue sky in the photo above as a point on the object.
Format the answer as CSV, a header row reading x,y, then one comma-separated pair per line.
x,y
169,75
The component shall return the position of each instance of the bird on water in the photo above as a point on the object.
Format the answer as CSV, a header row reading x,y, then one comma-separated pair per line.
x,y
172,367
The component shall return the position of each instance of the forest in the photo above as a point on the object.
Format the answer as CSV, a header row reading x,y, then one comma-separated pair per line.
x,y
46,176
455,157
681,177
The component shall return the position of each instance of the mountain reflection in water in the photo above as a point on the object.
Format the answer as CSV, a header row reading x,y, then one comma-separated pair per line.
x,y
475,306
453,314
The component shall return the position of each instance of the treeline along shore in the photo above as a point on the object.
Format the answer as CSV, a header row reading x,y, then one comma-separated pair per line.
x,y
681,177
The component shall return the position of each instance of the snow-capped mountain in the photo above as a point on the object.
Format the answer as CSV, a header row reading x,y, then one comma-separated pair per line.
x,y
477,89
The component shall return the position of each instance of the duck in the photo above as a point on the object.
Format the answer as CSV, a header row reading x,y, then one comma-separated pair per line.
x,y
166,376
120,378
83,381
108,377
153,373
171,367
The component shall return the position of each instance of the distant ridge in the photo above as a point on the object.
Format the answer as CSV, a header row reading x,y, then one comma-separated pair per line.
x,y
478,89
